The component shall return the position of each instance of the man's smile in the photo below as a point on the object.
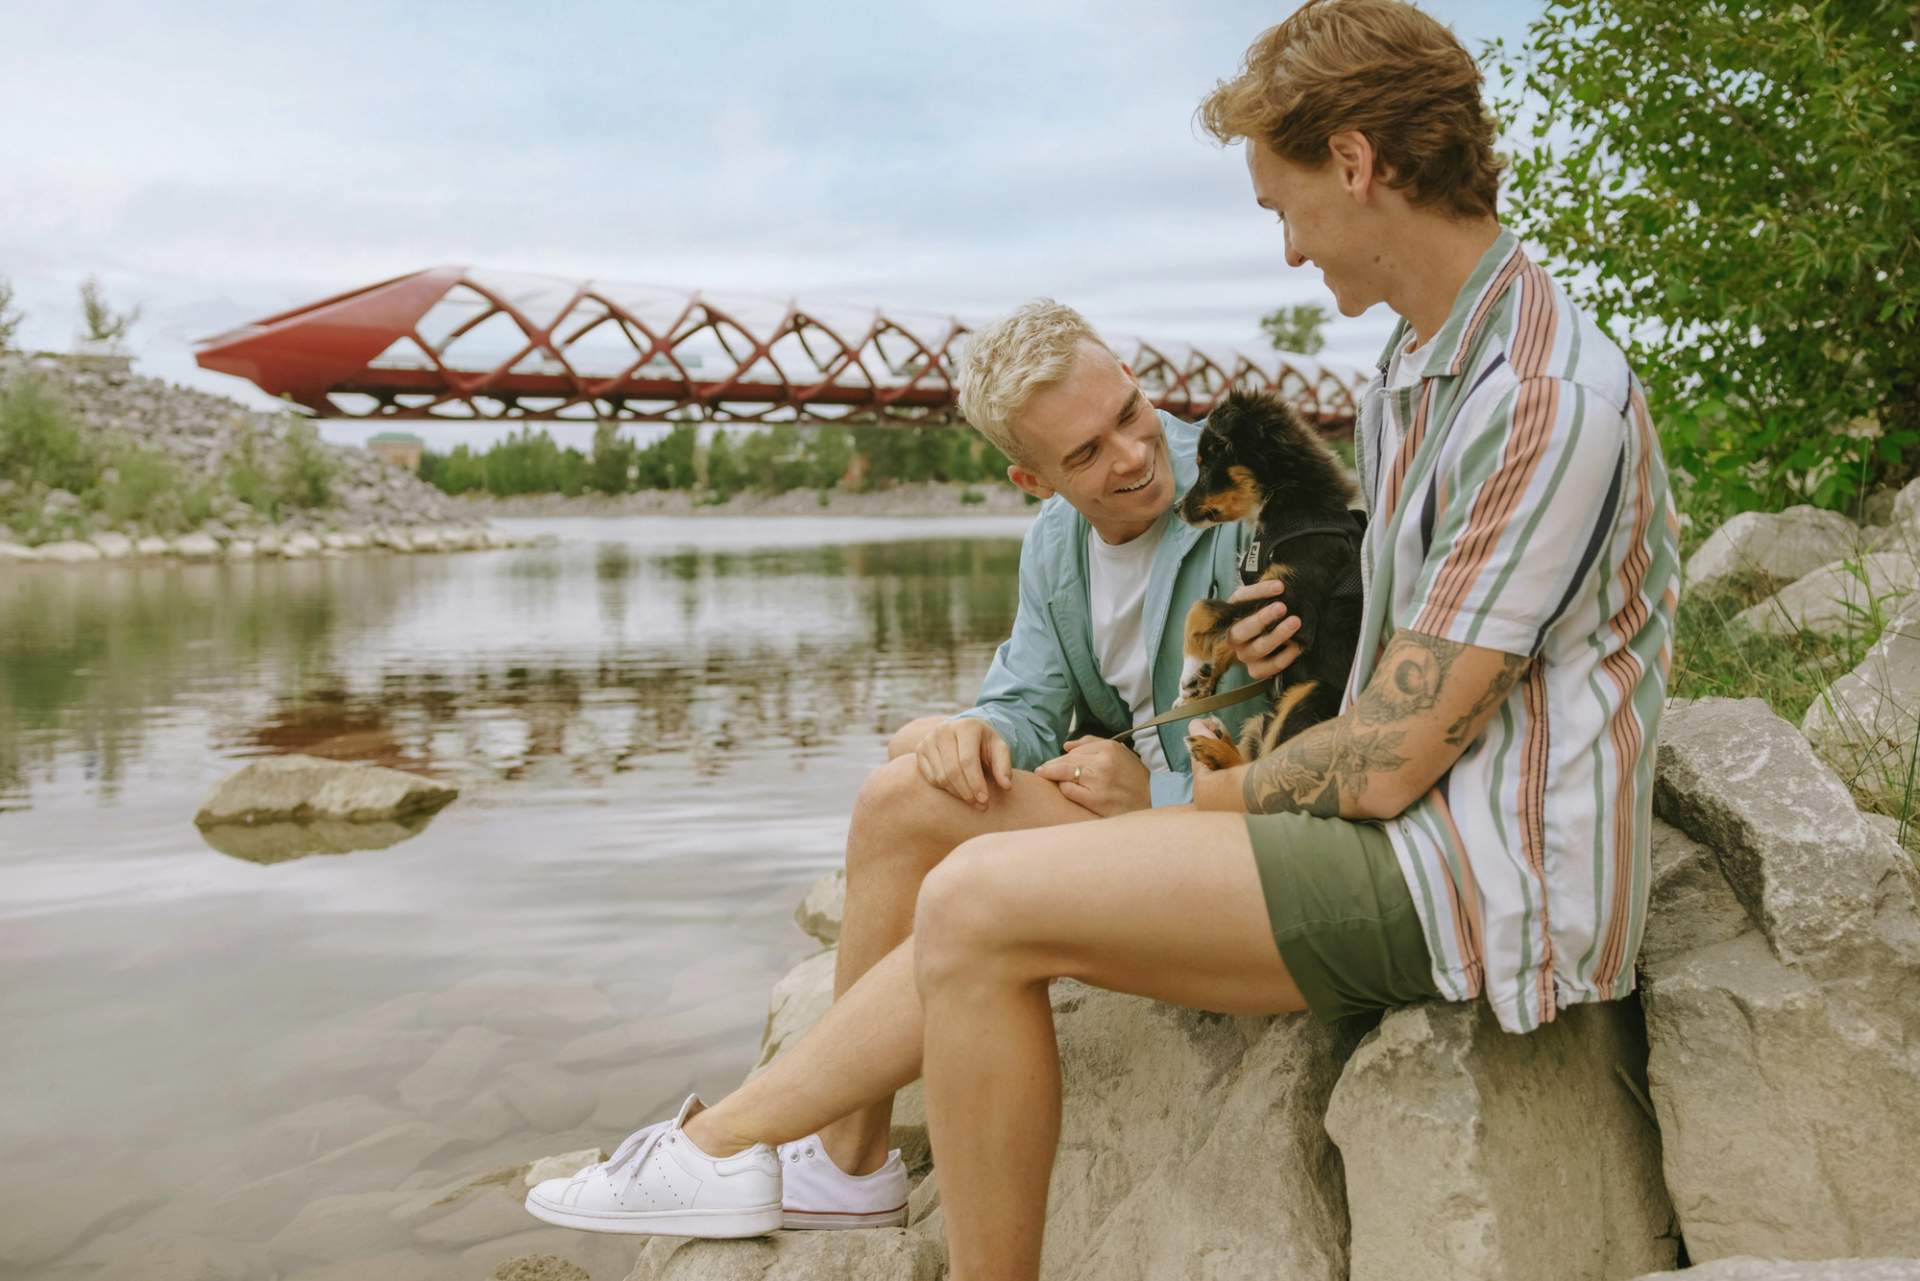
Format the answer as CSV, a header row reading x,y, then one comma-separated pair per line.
x,y
1152,470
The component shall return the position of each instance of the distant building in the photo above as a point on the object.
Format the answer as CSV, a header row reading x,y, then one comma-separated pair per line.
x,y
400,448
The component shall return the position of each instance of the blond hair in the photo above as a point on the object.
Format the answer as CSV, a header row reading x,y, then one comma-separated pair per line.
x,y
1005,363
1381,67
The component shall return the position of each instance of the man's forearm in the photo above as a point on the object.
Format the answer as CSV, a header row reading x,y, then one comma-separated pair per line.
x,y
1339,768
1428,700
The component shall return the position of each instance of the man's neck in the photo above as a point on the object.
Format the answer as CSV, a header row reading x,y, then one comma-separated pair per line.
x,y
1427,283
1114,535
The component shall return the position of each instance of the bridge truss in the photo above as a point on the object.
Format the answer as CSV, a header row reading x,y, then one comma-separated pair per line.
x,y
457,344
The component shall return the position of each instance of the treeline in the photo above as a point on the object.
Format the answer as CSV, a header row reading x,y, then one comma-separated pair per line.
x,y
772,459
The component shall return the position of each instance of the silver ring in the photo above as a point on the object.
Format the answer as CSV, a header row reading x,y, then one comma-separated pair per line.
x,y
1076,773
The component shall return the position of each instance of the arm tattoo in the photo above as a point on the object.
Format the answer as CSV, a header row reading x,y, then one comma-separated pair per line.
x,y
1327,767
1494,695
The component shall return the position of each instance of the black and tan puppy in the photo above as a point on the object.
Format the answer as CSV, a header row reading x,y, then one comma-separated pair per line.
x,y
1258,461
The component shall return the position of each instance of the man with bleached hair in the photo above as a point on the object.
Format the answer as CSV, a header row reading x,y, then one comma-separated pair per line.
x,y
1107,572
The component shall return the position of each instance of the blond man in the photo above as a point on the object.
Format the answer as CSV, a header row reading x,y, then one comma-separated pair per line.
x,y
1474,823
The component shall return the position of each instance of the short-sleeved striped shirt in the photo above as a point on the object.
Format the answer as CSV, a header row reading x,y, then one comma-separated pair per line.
x,y
1519,502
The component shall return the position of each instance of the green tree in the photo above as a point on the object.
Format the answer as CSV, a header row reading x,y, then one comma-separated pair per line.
x,y
1299,329
104,324
1735,188
614,459
10,316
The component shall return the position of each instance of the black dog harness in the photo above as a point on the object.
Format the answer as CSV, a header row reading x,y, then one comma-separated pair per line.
x,y
1264,548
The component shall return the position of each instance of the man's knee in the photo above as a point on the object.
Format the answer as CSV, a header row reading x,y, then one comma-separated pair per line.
x,y
907,738
959,919
889,817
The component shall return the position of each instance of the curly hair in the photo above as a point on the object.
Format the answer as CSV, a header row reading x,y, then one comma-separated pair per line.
x,y
1381,67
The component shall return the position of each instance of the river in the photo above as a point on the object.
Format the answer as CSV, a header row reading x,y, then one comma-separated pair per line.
x,y
216,1066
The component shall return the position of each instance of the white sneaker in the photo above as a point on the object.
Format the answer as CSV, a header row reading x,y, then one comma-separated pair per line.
x,y
819,1194
660,1181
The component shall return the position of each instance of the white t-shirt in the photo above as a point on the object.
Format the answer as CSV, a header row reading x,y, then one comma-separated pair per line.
x,y
1116,588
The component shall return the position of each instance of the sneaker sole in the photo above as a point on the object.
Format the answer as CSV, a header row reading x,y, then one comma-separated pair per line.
x,y
894,1218
754,1222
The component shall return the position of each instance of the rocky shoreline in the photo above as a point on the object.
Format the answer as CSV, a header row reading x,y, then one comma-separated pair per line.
x,y
98,410
929,499
108,547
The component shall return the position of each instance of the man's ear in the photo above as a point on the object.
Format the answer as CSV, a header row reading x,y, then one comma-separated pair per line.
x,y
1351,153
1032,484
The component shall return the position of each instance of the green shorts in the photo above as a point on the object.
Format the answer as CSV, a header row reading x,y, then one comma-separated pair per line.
x,y
1341,913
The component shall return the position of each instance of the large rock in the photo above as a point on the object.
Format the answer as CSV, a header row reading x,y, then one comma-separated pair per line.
x,y
113,546
1837,598
1749,1268
301,788
1192,1144
16,552
1781,984
1776,547
1477,1155
196,547
1866,723
820,912
68,553
872,1254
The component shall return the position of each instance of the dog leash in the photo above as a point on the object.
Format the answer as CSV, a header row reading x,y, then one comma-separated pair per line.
x,y
1211,703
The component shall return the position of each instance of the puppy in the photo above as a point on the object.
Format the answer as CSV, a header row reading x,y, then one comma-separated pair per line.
x,y
1258,461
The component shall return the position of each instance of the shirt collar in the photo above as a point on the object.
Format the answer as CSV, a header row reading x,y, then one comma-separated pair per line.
x,y
1490,277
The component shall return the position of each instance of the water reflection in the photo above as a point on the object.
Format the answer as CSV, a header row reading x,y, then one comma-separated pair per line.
x,y
284,842
491,664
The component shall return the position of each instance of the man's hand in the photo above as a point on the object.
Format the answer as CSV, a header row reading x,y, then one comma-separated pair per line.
x,y
1100,775
959,755
1262,641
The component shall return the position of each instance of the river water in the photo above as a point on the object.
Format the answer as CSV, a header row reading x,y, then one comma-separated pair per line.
x,y
219,1066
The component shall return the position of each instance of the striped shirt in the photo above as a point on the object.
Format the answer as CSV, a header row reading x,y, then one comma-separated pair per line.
x,y
1519,502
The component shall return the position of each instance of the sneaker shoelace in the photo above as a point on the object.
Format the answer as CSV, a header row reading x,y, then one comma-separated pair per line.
x,y
633,1151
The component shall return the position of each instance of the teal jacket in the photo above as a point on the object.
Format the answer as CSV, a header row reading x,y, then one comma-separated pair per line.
x,y
1045,684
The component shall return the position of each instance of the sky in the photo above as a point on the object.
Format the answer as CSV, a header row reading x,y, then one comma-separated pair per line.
x,y
215,162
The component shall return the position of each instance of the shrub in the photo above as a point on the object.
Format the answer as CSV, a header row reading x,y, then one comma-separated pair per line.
x,y
1735,188
305,474
10,316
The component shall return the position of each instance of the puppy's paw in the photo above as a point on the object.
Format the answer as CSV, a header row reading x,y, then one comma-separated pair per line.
x,y
1205,727
1213,753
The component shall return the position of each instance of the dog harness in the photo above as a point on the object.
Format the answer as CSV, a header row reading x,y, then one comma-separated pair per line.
x,y
1263,549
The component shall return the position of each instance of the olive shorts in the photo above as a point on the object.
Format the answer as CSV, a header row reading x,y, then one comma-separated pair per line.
x,y
1341,914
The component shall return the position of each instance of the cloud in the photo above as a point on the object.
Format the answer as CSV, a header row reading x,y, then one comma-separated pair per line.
x,y
221,161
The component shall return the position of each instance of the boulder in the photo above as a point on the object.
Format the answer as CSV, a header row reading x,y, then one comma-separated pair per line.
x,y
68,553
153,546
1748,1268
14,551
113,546
1781,983
820,911
1193,1144
873,1254
268,543
334,542
300,788
1777,547
425,539
196,547
242,549
1837,598
296,546
1473,1154
1867,724
1906,505
564,1166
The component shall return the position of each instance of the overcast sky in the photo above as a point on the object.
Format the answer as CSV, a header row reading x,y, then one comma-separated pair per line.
x,y
215,162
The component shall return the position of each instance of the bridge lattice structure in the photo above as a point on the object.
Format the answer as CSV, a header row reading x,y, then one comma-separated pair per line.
x,y
458,344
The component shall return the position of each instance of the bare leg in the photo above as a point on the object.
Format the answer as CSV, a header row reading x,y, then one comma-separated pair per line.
x,y
1160,904
858,1056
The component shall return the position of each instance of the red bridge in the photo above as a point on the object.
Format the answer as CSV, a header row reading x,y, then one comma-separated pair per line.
x,y
455,343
